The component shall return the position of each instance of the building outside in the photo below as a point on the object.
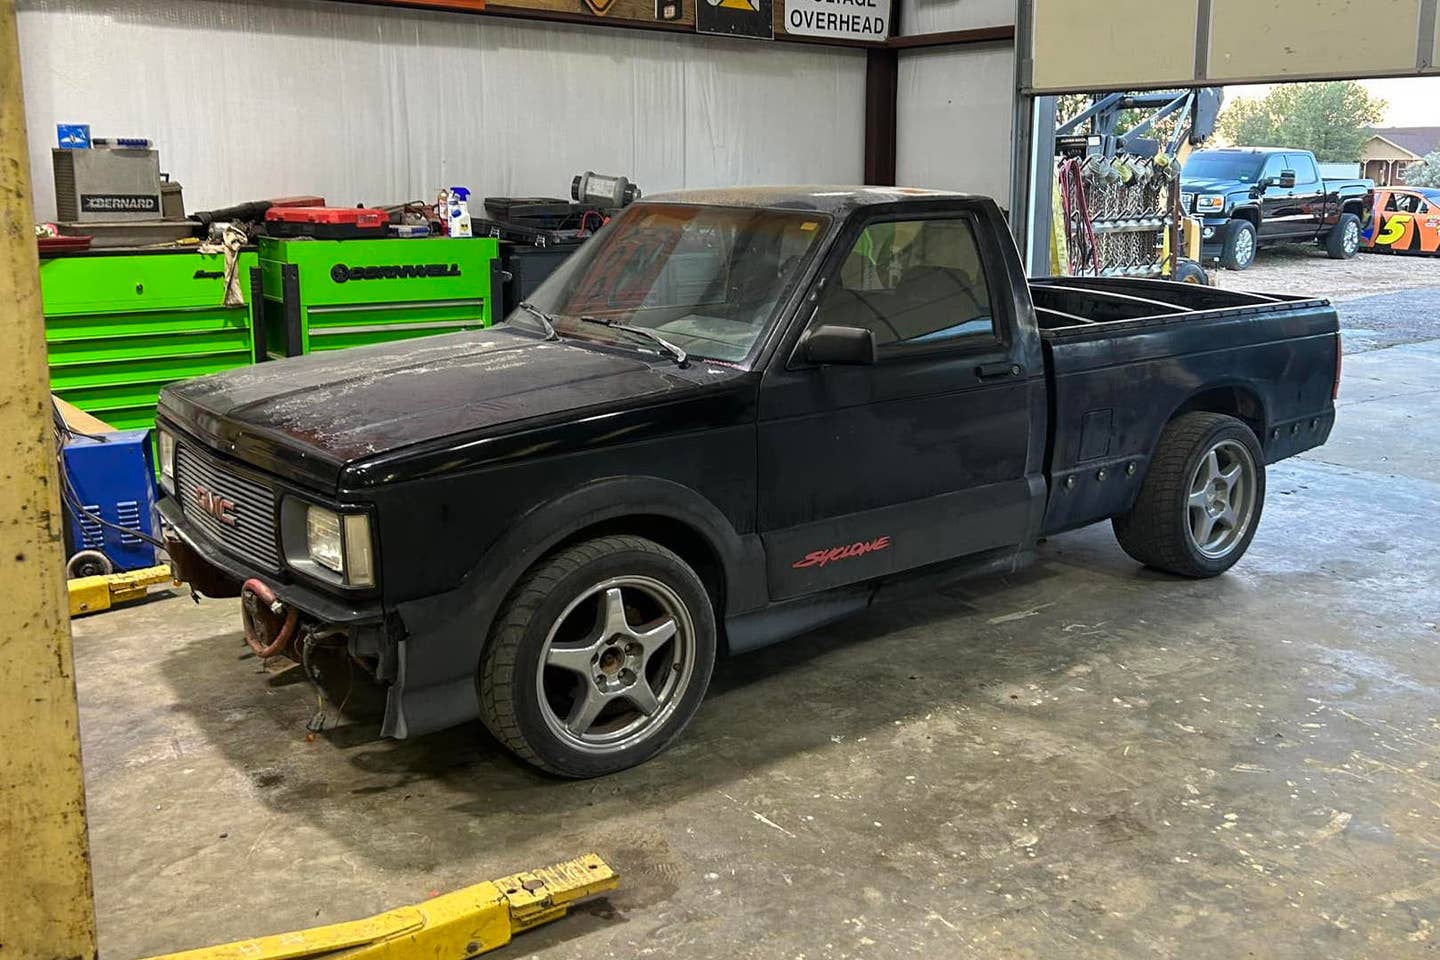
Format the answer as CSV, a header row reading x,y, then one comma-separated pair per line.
x,y
1390,150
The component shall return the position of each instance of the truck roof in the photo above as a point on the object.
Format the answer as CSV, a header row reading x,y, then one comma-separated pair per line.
x,y
1253,150
839,200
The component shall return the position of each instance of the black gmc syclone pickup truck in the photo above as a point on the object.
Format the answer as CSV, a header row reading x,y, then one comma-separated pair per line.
x,y
732,416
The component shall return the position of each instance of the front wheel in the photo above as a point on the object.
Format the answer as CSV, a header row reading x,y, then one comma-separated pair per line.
x,y
1188,271
599,657
1239,247
1344,239
1201,500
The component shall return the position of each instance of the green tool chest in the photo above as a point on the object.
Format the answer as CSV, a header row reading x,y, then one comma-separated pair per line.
x,y
326,294
121,325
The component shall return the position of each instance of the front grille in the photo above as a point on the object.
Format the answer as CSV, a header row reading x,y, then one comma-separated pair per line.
x,y
1187,202
251,507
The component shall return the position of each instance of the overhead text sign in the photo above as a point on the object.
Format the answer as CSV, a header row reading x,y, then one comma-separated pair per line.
x,y
838,19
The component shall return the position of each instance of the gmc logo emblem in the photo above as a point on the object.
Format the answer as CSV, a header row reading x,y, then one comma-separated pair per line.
x,y
215,505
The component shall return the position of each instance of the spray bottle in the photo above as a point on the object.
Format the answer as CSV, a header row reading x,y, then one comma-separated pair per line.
x,y
458,208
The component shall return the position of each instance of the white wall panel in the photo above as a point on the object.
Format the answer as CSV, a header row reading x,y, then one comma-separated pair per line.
x,y
955,116
940,16
363,104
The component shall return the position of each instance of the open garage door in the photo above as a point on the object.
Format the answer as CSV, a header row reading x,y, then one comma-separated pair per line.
x,y
1135,45
1138,44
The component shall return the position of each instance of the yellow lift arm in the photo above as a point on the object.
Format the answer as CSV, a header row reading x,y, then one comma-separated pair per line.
x,y
453,926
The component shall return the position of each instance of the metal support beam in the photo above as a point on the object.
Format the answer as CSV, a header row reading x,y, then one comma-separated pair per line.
x,y
882,85
47,911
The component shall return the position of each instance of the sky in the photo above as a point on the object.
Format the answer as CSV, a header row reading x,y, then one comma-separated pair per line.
x,y
1413,101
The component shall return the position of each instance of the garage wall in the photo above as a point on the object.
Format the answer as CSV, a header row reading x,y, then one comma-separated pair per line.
x,y
362,104
955,115
940,16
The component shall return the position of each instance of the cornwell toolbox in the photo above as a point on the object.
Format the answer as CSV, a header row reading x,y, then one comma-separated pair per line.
x,y
326,294
119,325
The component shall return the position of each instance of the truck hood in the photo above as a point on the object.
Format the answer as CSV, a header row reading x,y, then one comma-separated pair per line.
x,y
307,417
1212,185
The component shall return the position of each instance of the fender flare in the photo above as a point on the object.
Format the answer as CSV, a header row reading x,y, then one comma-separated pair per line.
x,y
447,634
1228,383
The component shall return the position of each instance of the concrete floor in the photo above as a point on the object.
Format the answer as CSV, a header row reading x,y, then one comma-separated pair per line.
x,y
1087,760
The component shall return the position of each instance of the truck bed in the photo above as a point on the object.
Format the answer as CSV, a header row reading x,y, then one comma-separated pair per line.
x,y
1122,357
1066,305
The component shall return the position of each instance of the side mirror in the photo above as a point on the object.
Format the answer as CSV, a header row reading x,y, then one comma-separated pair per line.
x,y
1287,179
841,346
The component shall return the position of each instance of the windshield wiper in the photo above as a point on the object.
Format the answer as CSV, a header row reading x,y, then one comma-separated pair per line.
x,y
545,319
681,357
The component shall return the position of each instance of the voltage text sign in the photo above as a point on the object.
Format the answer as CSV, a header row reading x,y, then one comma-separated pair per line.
x,y
839,19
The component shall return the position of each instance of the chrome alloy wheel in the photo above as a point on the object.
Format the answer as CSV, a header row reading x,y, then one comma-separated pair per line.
x,y
1244,248
616,663
1222,499
1351,240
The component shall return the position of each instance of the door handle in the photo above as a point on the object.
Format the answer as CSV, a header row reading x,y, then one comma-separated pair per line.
x,y
996,371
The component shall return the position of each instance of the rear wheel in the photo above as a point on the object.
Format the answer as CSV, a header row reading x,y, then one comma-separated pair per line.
x,y
1238,251
1200,504
599,657
1344,239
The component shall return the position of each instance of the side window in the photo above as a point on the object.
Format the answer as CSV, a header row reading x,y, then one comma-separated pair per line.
x,y
1274,166
912,282
1408,203
1304,168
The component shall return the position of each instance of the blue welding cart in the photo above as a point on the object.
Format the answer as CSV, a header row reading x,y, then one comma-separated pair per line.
x,y
113,477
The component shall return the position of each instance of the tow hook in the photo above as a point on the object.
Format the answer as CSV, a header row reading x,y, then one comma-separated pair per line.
x,y
269,623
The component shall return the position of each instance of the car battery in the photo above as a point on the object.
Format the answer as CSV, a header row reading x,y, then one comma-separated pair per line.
x,y
327,223
310,294
112,476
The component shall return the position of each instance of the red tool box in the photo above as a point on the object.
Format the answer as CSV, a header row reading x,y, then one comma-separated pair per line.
x,y
328,223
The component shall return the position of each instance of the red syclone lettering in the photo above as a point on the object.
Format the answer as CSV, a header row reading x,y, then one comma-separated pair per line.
x,y
819,558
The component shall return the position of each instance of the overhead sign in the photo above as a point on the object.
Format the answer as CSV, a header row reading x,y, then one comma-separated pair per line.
x,y
736,18
839,19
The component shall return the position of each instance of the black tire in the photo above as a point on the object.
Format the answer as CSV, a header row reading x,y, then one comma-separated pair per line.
x,y
1238,252
1158,531
1188,271
1343,241
521,690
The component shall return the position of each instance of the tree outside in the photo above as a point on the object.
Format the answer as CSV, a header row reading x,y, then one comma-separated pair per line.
x,y
1331,119
1424,173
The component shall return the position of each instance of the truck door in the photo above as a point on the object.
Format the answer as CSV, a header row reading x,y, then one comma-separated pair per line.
x,y
1278,214
1308,196
930,453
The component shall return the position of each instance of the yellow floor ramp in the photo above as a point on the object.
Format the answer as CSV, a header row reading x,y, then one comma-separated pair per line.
x,y
448,927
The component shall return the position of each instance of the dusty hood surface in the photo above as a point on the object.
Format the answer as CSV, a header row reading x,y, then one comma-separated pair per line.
x,y
310,415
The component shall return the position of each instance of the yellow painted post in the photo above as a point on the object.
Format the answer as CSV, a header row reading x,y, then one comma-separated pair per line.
x,y
47,911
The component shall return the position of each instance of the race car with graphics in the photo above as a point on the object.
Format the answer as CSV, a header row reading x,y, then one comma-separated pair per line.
x,y
1405,220
729,418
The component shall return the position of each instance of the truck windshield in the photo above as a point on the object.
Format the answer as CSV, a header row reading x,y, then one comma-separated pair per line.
x,y
707,279
1244,167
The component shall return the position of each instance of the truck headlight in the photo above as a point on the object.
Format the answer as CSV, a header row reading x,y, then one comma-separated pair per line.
x,y
324,539
1209,203
340,542
165,449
